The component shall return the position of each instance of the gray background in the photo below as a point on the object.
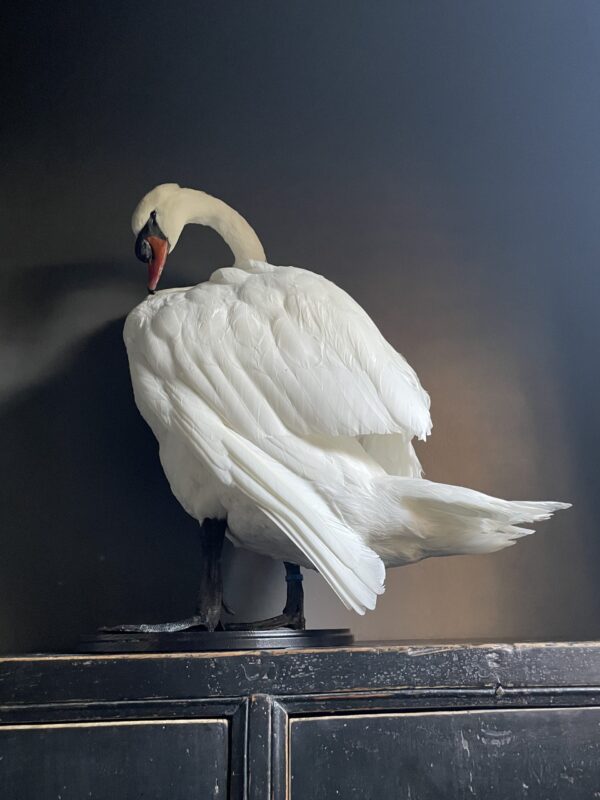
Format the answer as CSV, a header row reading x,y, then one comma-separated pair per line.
x,y
437,160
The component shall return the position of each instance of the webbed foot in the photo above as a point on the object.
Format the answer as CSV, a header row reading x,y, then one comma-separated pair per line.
x,y
293,613
296,622
195,622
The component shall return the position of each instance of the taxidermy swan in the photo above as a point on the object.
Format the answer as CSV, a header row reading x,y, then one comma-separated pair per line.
x,y
285,420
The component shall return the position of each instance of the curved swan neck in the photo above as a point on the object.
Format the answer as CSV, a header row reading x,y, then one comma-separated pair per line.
x,y
204,209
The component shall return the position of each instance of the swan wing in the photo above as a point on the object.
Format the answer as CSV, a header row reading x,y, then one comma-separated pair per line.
x,y
269,476
233,366
287,351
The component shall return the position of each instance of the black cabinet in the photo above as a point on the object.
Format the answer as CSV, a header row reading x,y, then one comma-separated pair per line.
x,y
387,721
455,754
108,760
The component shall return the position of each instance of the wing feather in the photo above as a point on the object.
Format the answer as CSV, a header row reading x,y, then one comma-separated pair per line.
x,y
353,570
278,353
307,359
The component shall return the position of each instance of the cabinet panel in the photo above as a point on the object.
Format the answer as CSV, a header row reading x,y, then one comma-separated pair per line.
x,y
174,759
513,753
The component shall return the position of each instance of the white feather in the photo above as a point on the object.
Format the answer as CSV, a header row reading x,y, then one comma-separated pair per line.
x,y
278,404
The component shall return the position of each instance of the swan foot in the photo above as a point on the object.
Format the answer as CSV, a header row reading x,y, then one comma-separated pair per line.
x,y
293,613
209,604
281,621
195,622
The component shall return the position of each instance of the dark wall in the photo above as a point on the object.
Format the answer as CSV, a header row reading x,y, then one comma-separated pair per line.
x,y
437,160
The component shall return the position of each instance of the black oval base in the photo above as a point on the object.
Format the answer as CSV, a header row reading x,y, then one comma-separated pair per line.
x,y
219,641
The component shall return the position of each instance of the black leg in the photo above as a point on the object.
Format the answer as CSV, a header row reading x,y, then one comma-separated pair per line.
x,y
293,613
210,595
294,605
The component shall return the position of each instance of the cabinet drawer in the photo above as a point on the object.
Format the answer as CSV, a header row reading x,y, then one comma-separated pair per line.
x,y
513,753
154,760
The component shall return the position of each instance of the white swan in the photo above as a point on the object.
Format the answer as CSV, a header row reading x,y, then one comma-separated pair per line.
x,y
280,407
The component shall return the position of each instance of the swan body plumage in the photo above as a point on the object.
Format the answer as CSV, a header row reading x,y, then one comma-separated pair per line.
x,y
278,405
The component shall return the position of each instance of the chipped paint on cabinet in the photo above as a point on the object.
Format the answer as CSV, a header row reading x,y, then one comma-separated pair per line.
x,y
379,720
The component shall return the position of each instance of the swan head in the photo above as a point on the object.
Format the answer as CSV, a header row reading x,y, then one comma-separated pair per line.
x,y
162,214
157,223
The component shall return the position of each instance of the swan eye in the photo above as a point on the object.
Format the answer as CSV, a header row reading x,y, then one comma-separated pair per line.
x,y
153,215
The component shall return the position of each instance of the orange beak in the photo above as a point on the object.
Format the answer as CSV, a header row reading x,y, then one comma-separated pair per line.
x,y
160,250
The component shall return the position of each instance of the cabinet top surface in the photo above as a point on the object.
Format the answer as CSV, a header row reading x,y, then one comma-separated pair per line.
x,y
365,668
406,648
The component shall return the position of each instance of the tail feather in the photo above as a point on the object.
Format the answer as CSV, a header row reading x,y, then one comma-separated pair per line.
x,y
425,519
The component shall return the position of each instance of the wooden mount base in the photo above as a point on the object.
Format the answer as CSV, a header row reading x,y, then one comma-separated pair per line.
x,y
218,641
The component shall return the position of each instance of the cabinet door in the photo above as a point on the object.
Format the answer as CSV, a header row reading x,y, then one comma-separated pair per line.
x,y
158,760
552,754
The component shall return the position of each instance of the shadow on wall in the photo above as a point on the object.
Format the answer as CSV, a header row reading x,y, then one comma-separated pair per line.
x,y
97,538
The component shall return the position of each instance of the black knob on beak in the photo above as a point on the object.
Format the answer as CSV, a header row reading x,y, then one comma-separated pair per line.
x,y
143,250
